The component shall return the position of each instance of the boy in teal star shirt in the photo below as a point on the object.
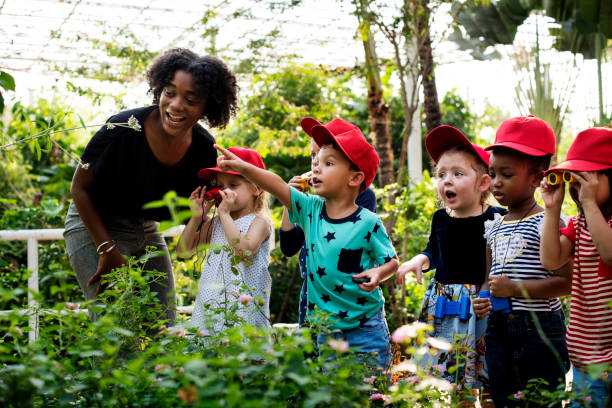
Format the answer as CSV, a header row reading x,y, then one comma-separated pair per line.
x,y
344,242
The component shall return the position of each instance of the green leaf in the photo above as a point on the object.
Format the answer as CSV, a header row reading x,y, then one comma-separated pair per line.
x,y
82,121
1,103
155,204
7,81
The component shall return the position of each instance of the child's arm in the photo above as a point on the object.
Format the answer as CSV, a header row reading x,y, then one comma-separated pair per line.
x,y
417,264
291,238
555,249
245,245
198,223
267,180
483,306
600,231
377,275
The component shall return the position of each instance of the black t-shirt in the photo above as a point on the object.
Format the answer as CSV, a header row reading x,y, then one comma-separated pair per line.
x,y
127,174
457,247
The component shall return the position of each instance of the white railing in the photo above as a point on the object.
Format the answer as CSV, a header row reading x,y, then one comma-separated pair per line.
x,y
32,237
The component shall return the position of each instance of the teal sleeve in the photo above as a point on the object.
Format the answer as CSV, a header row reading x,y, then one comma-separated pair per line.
x,y
300,204
380,244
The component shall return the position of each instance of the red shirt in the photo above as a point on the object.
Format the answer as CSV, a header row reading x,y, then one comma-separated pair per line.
x,y
589,334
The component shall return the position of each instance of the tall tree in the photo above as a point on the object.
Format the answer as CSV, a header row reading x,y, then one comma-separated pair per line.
x,y
378,109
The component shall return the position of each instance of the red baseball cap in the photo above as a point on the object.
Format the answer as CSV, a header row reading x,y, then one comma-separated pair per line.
x,y
527,134
246,154
591,150
350,139
444,137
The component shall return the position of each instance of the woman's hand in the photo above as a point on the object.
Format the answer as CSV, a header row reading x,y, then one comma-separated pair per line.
x,y
502,286
552,195
482,307
227,204
106,263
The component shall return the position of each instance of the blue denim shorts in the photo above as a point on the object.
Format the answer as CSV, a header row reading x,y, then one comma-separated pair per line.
x,y
371,338
589,392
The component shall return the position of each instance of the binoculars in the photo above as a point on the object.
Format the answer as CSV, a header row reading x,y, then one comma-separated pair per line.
x,y
445,307
214,195
499,304
555,177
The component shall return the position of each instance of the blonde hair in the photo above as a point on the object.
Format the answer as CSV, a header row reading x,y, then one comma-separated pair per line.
x,y
477,165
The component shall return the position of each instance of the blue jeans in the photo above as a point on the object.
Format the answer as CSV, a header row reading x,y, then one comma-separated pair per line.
x,y
583,386
371,338
516,353
132,236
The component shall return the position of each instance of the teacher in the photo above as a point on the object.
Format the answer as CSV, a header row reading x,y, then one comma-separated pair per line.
x,y
122,168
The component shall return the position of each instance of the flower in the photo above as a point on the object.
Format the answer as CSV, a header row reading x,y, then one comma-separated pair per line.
x,y
180,333
440,344
19,331
236,293
72,306
84,166
159,379
133,123
110,126
369,380
589,398
338,345
203,333
413,379
161,367
408,331
379,396
439,368
519,395
245,299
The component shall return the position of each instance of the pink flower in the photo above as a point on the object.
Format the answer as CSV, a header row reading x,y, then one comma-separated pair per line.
x,y
72,306
270,351
181,370
161,367
338,345
413,379
589,398
408,331
369,380
245,299
378,396
180,333
158,379
439,368
19,331
519,395
236,293
203,333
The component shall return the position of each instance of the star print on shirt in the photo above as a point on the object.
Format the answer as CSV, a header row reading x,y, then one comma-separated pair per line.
x,y
376,227
310,217
368,236
361,300
311,276
363,320
356,218
339,288
388,259
330,236
311,306
312,247
297,207
342,314
325,298
321,272
305,251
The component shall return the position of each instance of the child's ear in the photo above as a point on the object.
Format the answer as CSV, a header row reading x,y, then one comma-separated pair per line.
x,y
536,179
356,178
485,183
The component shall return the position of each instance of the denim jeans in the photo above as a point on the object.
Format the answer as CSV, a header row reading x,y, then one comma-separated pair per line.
x,y
516,353
595,389
371,339
131,236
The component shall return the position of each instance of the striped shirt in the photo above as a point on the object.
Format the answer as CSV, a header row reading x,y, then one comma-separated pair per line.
x,y
515,251
589,334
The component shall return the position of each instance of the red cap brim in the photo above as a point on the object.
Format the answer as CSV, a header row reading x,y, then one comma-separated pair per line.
x,y
308,123
519,147
210,172
444,137
579,165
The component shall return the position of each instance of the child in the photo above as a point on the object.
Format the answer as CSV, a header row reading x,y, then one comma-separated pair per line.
x,y
291,236
456,249
526,339
241,224
588,241
344,241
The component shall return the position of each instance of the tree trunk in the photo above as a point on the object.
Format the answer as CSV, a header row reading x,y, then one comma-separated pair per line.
x,y
431,105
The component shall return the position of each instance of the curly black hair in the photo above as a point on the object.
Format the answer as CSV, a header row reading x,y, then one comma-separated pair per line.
x,y
215,82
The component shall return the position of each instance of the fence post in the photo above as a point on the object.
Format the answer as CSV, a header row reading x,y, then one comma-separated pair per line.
x,y
32,249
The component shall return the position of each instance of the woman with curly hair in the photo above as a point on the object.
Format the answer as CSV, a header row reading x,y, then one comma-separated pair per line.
x,y
125,167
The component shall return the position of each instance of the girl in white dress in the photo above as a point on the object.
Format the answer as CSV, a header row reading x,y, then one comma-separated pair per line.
x,y
230,295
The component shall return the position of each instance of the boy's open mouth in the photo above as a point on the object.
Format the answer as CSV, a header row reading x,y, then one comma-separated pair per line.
x,y
315,181
450,194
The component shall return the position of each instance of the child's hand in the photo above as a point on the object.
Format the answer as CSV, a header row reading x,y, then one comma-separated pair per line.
x,y
229,199
589,184
414,265
199,204
372,274
482,307
301,183
229,161
502,286
552,195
